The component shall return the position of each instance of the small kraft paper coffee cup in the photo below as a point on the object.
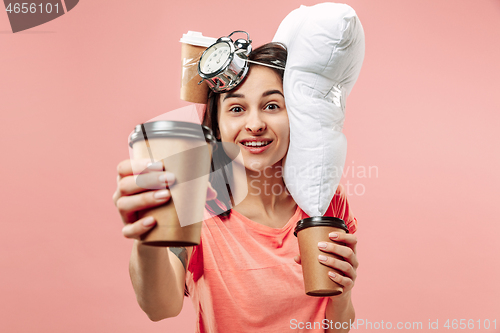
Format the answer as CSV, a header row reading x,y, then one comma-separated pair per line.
x,y
185,149
193,46
309,232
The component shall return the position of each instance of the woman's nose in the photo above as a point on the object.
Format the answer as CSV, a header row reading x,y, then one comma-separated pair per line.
x,y
255,123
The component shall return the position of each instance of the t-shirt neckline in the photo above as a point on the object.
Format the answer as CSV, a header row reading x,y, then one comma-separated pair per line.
x,y
267,229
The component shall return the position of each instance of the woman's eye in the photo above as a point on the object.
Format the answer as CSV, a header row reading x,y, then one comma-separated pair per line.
x,y
236,109
272,107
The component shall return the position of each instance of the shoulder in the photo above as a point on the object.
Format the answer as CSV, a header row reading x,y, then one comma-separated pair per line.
x,y
340,208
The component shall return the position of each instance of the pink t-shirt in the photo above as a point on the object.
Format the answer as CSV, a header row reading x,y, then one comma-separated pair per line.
x,y
242,276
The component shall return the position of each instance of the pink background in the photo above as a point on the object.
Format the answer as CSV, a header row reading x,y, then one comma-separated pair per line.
x,y
424,115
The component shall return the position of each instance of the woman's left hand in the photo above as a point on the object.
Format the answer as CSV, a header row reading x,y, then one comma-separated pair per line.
x,y
347,266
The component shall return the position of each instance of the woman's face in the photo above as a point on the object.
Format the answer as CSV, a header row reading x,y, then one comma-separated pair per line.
x,y
254,117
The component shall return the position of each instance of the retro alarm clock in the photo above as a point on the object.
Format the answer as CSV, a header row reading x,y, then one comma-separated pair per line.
x,y
224,64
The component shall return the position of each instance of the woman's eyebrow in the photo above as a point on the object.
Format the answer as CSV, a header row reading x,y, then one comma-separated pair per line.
x,y
270,92
266,93
233,95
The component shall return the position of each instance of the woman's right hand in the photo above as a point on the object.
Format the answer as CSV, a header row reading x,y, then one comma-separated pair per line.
x,y
130,198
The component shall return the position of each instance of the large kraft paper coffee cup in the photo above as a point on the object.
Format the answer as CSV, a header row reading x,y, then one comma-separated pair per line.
x,y
309,232
185,150
193,45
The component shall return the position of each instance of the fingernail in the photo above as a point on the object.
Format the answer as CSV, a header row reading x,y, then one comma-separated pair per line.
x,y
333,235
322,258
162,194
166,177
148,221
332,274
322,245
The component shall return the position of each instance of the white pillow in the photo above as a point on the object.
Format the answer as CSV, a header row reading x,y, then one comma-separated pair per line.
x,y
326,48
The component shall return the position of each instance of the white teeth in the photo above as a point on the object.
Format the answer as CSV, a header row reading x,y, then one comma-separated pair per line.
x,y
256,143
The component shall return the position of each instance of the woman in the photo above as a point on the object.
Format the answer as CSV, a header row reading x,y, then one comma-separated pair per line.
x,y
242,277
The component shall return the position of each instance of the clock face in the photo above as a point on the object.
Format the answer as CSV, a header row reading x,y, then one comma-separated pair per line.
x,y
215,57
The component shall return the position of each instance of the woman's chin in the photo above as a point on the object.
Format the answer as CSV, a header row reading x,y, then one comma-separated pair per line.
x,y
260,166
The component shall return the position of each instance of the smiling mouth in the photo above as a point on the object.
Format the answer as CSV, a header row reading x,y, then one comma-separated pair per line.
x,y
256,143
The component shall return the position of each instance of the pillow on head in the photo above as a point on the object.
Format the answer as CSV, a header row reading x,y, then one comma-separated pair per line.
x,y
326,48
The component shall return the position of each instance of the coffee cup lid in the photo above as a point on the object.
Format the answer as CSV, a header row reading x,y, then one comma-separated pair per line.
x,y
197,38
320,221
168,128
